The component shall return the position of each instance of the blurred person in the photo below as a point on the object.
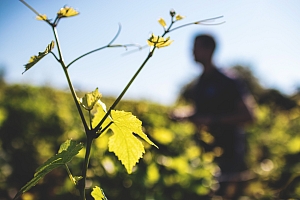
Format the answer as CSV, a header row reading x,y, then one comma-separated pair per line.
x,y
222,107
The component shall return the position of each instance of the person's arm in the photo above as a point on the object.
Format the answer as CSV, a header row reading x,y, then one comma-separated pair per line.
x,y
243,114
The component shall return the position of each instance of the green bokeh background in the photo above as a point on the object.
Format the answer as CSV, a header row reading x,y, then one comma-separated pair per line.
x,y
34,121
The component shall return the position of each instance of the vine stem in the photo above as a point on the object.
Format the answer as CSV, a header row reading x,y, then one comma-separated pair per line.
x,y
81,183
131,81
61,60
70,174
90,134
98,49
125,90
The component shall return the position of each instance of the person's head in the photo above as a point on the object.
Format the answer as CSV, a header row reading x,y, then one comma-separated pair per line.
x,y
204,46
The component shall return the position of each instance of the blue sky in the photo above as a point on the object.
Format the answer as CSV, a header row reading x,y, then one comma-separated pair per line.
x,y
263,35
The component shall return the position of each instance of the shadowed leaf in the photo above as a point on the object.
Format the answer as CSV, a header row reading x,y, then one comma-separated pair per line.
x,y
67,151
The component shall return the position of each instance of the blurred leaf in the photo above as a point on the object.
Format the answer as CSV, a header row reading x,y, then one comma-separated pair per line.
x,y
41,17
34,59
153,174
90,99
67,12
162,22
159,41
293,146
179,17
98,193
127,147
67,151
163,135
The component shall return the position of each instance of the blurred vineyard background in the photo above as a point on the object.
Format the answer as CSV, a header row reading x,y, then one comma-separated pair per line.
x,y
34,121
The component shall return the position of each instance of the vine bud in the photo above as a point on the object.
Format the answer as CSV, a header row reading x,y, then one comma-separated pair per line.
x,y
172,13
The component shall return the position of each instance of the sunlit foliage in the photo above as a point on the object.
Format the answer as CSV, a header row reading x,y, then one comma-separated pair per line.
x,y
179,169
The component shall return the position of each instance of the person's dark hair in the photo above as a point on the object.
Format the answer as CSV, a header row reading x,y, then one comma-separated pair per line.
x,y
207,41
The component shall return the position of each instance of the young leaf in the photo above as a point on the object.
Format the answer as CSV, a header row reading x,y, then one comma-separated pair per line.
x,y
90,99
179,17
162,22
34,59
100,109
67,151
159,41
127,147
67,12
41,17
64,146
98,193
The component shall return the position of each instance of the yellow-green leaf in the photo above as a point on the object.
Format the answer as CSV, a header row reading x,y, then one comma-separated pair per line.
x,y
98,193
34,59
162,22
41,17
179,17
159,41
67,12
127,147
90,99
100,112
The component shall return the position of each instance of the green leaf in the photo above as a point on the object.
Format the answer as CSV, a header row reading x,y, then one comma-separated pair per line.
x,y
98,193
34,59
90,99
127,147
64,146
67,151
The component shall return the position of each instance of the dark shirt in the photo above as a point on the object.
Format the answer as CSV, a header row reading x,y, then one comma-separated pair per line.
x,y
216,94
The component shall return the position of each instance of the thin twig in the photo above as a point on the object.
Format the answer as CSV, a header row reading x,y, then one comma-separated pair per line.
x,y
31,8
70,175
116,36
54,56
124,90
199,22
36,12
98,49
106,127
